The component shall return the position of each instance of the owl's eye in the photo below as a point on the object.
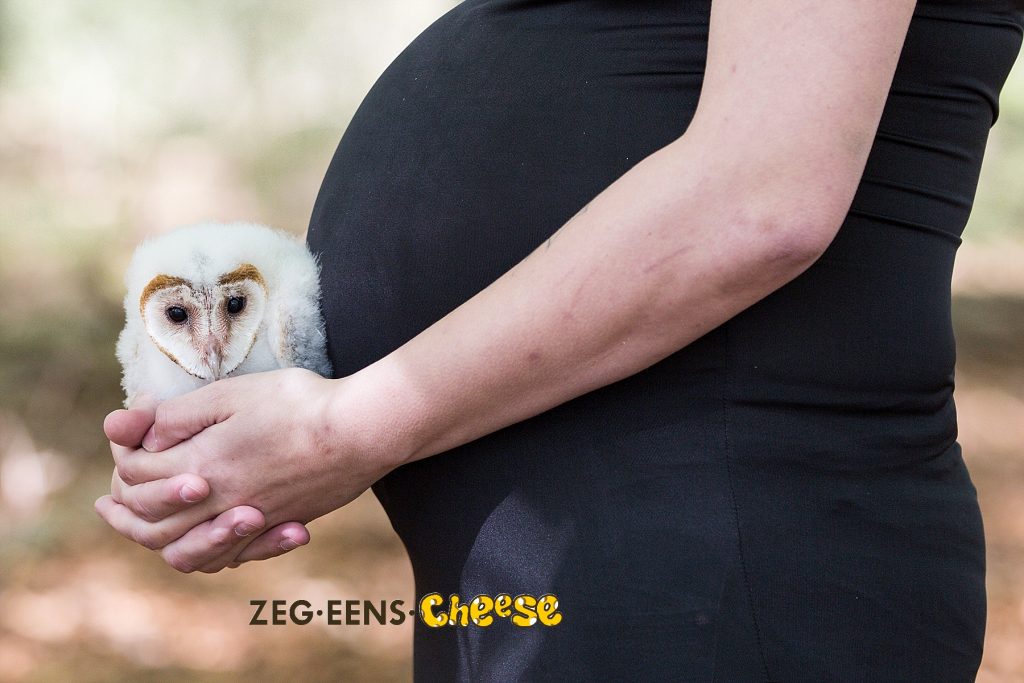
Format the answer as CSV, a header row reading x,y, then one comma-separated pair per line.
x,y
177,314
236,304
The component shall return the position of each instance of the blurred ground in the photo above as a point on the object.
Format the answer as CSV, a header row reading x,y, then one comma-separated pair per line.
x,y
121,119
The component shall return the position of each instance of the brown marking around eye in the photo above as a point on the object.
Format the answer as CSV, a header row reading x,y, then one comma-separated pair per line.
x,y
158,283
246,271
155,285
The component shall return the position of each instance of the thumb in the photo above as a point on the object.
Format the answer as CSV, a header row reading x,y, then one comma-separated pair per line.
x,y
127,427
183,417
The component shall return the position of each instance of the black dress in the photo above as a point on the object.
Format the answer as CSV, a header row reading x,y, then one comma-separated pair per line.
x,y
783,499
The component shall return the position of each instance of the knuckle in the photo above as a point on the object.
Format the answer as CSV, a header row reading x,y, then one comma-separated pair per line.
x,y
162,413
126,475
136,535
148,538
178,562
222,539
172,500
141,508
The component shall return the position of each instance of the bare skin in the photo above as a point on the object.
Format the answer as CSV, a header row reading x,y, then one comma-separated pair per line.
x,y
747,199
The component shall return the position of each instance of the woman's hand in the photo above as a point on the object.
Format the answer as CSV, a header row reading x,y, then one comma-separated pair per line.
x,y
264,451
135,511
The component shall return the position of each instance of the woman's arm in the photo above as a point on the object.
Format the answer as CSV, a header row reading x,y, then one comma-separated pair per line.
x,y
742,203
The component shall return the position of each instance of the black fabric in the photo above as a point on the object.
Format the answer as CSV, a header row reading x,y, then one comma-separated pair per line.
x,y
784,499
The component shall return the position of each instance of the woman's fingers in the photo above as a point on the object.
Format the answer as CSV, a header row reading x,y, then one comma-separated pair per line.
x,y
273,542
156,535
127,524
128,427
136,466
213,545
153,501
136,512
193,542
181,418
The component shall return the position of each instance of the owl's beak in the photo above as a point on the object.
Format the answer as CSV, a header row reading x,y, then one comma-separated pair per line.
x,y
212,358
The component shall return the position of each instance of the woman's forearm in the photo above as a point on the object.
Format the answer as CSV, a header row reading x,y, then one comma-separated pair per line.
x,y
664,255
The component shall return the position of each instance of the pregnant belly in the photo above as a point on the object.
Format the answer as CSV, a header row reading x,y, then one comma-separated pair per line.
x,y
485,135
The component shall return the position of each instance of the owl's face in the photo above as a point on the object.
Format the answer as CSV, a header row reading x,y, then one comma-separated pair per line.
x,y
207,328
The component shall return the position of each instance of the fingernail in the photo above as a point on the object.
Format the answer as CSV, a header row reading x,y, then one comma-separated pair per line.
x,y
190,495
288,544
244,529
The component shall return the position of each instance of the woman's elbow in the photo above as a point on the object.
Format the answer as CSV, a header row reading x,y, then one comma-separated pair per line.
x,y
795,238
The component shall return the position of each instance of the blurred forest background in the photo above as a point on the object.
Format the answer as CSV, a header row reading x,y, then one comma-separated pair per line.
x,y
120,119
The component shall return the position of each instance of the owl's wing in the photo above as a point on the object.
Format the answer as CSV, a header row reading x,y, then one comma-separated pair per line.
x,y
298,337
295,325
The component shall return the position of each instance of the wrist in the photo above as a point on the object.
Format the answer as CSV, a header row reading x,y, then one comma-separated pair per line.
x,y
377,412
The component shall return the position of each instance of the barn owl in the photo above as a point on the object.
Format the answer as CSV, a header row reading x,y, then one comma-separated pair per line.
x,y
213,301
